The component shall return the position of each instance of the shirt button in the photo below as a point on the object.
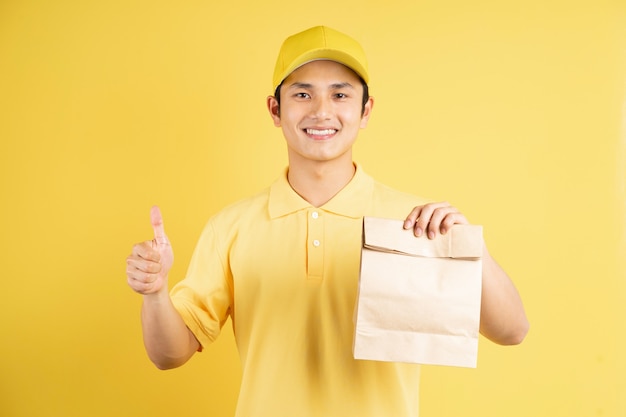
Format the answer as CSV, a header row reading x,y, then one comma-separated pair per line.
x,y
315,215
316,243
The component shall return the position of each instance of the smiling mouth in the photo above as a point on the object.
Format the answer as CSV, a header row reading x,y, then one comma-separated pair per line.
x,y
322,132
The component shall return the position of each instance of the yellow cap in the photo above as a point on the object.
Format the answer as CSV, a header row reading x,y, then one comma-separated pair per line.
x,y
319,43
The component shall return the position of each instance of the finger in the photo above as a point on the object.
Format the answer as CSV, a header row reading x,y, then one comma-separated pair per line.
x,y
139,264
422,224
412,217
141,282
450,220
144,251
137,275
141,287
157,225
437,218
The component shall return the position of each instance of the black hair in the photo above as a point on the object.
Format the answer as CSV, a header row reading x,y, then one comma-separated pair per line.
x,y
366,94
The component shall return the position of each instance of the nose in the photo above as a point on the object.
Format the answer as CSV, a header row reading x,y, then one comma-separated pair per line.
x,y
321,108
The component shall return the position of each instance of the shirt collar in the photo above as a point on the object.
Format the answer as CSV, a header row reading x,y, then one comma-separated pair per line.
x,y
351,201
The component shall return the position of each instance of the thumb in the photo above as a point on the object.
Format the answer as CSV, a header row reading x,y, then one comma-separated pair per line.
x,y
157,225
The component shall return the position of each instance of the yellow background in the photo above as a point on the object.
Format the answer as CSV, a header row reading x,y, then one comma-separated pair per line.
x,y
511,110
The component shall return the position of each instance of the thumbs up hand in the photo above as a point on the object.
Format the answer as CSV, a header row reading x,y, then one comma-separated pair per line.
x,y
149,263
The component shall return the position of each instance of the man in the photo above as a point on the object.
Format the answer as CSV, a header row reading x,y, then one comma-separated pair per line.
x,y
284,264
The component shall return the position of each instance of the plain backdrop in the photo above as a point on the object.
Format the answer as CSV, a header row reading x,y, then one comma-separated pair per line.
x,y
511,110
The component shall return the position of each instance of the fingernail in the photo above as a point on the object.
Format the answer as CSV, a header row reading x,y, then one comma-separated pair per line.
x,y
431,235
418,231
407,223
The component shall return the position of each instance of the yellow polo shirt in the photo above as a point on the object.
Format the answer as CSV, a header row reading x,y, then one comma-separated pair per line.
x,y
287,274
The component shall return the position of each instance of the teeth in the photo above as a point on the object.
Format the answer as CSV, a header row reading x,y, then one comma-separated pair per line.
x,y
320,132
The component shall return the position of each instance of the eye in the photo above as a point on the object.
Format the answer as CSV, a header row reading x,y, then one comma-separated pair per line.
x,y
302,95
341,95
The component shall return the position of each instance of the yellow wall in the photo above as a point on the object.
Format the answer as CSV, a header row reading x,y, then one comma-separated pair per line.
x,y
511,110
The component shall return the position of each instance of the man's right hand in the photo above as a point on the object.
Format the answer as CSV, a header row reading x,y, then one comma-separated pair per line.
x,y
149,263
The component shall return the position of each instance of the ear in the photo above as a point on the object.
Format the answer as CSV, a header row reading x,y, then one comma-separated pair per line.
x,y
367,111
274,108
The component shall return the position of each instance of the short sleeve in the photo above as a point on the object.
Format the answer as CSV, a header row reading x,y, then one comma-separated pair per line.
x,y
204,299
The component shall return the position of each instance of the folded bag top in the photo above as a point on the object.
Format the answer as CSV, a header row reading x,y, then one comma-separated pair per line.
x,y
461,241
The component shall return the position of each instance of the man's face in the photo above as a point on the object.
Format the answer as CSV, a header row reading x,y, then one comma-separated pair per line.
x,y
320,112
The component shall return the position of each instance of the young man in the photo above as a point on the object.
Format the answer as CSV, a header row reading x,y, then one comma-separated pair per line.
x,y
284,264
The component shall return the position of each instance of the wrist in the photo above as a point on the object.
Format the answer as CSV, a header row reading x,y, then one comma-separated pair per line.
x,y
157,297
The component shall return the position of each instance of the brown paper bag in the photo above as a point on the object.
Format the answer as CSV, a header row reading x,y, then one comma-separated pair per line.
x,y
419,299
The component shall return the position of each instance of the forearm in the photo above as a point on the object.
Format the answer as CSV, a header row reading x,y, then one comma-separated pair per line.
x,y
168,341
502,317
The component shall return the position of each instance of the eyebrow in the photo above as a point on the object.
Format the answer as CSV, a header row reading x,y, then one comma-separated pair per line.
x,y
334,86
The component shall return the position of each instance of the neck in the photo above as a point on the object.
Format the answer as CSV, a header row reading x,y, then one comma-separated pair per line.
x,y
318,182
